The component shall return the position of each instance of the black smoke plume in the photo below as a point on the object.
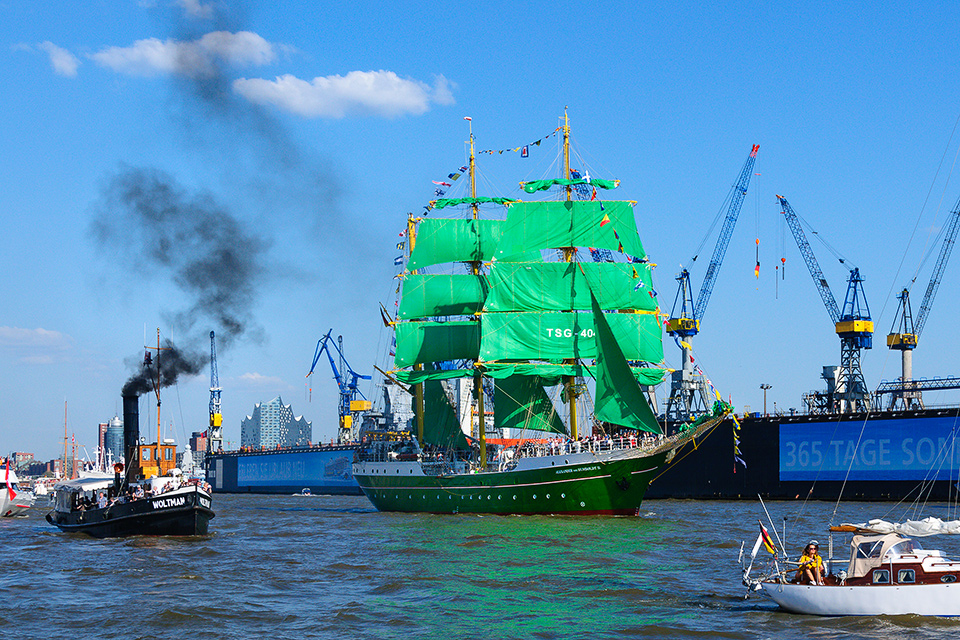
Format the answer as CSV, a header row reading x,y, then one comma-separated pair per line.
x,y
153,226
156,227
165,367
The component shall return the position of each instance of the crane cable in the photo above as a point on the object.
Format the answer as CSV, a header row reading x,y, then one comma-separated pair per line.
x,y
916,224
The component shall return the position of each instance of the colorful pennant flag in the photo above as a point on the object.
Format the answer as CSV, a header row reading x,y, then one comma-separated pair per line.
x,y
525,149
441,183
605,220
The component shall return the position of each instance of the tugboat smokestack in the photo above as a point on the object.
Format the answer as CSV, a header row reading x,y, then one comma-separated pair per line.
x,y
131,433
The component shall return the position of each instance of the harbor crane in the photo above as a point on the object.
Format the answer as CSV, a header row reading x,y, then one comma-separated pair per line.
x,y
215,437
846,390
688,391
906,331
347,380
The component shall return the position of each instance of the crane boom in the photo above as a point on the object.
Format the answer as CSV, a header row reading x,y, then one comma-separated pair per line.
x,y
948,240
688,391
726,232
687,322
348,386
846,389
811,260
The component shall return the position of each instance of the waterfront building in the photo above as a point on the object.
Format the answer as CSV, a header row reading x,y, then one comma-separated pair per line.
x,y
21,459
198,445
273,425
113,439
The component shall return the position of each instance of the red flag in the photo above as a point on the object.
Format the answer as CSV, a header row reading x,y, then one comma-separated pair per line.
x,y
594,196
605,220
756,270
11,494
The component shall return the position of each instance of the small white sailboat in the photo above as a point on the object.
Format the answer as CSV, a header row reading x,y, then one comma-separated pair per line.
x,y
13,500
887,574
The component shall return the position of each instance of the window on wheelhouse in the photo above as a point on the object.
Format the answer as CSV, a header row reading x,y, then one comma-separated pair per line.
x,y
881,576
906,576
870,549
907,546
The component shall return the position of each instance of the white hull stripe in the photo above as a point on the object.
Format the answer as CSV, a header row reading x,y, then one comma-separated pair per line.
x,y
484,487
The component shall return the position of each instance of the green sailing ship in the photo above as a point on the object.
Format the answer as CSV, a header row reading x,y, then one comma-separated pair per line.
x,y
516,325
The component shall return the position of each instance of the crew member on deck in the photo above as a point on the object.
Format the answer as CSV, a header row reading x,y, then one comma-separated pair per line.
x,y
810,570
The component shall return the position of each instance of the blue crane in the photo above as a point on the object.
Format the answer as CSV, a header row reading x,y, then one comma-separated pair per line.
x,y
848,392
348,404
687,391
215,439
905,333
687,324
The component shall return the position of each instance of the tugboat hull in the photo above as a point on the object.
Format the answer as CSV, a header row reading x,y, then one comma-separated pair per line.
x,y
184,512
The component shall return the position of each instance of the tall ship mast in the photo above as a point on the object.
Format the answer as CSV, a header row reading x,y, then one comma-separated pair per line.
x,y
526,319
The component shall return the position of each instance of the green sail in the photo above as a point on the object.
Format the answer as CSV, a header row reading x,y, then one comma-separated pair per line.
x,y
543,185
564,286
520,402
440,425
453,202
426,295
558,336
575,223
551,374
454,240
422,342
416,377
619,399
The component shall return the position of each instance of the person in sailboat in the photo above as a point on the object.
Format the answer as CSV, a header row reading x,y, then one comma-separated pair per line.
x,y
810,570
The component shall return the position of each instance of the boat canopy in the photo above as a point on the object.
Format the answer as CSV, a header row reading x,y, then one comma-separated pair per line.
x,y
868,552
67,489
83,484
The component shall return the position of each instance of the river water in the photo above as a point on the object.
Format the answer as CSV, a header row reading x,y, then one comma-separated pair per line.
x,y
333,567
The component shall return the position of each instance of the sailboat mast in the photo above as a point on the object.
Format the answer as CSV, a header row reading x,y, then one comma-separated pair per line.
x,y
568,257
475,269
417,388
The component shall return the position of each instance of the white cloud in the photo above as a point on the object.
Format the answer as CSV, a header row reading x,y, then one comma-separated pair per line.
x,y
195,9
381,93
33,338
254,380
443,91
190,58
63,62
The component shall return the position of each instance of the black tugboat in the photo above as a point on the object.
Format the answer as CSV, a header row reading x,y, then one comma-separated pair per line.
x,y
150,498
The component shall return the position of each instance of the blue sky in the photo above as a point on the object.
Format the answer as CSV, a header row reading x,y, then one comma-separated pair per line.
x,y
317,127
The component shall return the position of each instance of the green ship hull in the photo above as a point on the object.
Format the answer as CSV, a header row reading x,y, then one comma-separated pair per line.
x,y
588,487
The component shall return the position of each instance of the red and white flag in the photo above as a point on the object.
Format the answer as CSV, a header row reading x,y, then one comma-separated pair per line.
x,y
11,494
